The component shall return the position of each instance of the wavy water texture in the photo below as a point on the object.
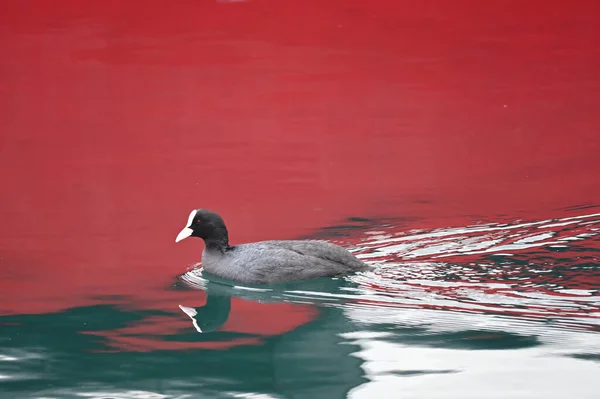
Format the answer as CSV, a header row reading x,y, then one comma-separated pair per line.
x,y
545,270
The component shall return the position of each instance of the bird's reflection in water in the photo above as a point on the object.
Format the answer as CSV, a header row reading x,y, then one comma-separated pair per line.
x,y
215,312
313,359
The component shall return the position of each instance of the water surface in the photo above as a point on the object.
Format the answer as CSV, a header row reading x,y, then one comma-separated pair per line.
x,y
452,144
508,307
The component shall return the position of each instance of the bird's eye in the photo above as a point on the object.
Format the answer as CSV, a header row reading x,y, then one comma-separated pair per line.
x,y
197,222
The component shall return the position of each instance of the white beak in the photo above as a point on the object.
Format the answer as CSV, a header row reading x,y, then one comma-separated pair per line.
x,y
185,233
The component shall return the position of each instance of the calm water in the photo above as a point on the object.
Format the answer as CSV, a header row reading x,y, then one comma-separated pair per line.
x,y
452,144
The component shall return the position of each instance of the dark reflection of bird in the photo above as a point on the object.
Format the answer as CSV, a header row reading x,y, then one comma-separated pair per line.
x,y
315,358
215,312
266,261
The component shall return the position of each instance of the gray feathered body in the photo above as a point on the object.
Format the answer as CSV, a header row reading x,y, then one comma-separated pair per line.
x,y
281,261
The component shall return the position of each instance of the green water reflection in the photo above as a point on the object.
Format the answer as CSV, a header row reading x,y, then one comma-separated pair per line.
x,y
334,355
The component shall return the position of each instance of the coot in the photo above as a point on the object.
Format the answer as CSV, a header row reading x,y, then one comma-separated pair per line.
x,y
266,261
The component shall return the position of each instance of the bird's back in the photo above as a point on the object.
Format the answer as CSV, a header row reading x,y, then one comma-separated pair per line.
x,y
283,260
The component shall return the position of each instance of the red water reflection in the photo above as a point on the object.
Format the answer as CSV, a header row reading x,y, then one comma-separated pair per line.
x,y
118,118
